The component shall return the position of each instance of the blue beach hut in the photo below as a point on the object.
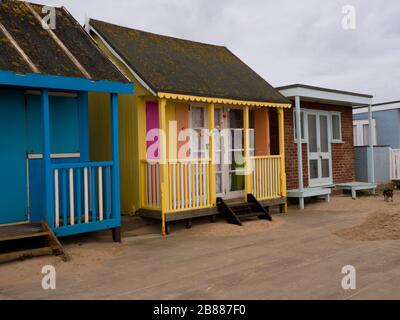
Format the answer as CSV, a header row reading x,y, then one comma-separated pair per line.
x,y
46,172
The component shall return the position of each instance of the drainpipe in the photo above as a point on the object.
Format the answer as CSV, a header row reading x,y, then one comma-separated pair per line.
x,y
299,150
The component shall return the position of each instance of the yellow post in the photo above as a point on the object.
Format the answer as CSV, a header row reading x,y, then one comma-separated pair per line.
x,y
282,153
162,124
212,177
248,169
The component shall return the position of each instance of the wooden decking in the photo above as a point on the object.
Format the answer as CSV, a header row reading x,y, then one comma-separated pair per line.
x,y
356,186
211,212
25,240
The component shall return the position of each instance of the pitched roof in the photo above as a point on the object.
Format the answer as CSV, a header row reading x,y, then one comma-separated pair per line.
x,y
26,47
179,66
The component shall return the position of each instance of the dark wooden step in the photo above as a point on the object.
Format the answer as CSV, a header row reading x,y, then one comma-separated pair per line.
x,y
235,212
25,254
28,240
251,215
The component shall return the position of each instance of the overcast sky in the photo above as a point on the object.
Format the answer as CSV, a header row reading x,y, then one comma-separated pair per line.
x,y
286,42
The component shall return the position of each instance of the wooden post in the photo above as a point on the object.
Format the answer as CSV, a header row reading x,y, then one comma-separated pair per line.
x,y
212,178
48,173
282,153
164,187
248,167
115,178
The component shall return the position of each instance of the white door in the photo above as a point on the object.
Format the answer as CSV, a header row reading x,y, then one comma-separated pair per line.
x,y
229,149
319,149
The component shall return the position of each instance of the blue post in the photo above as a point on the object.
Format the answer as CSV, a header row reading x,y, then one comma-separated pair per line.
x,y
115,179
83,102
48,181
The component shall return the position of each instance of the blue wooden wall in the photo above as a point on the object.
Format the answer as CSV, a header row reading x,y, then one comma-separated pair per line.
x,y
21,132
387,126
13,177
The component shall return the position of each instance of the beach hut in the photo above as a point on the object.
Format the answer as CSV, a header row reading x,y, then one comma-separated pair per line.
x,y
184,86
48,181
323,158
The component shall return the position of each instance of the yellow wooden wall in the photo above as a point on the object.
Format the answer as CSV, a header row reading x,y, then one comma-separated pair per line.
x,y
132,135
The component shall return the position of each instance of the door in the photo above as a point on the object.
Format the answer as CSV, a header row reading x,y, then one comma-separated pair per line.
x,y
229,150
319,149
13,165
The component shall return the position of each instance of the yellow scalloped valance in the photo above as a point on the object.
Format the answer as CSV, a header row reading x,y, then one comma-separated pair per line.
x,y
183,97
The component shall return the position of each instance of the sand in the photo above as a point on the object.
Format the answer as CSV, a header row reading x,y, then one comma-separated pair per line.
x,y
383,223
223,229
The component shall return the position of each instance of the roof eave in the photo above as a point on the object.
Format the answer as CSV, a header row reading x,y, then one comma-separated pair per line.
x,y
192,98
40,81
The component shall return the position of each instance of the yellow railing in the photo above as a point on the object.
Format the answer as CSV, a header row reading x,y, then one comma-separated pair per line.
x,y
150,183
189,185
188,182
266,177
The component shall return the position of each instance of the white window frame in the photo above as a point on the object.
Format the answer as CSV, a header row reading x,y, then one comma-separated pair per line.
x,y
358,133
204,154
339,114
305,128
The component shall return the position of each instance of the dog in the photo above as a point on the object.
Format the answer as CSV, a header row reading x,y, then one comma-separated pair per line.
x,y
388,194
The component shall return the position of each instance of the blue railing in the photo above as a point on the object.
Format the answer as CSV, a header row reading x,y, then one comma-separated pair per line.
x,y
83,197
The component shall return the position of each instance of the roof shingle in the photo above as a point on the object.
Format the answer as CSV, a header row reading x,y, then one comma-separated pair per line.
x,y
18,20
179,66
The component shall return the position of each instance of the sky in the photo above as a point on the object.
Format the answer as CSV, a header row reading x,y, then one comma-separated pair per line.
x,y
285,41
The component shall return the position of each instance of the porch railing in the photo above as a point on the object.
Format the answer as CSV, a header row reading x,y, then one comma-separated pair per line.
x,y
394,164
188,182
82,193
265,177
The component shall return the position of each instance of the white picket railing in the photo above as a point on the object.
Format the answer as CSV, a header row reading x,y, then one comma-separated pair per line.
x,y
394,164
82,193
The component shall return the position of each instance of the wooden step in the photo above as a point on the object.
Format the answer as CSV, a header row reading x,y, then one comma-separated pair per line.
x,y
25,254
14,238
235,212
23,236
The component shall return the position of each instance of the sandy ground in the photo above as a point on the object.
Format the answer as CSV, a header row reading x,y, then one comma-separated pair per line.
x,y
282,259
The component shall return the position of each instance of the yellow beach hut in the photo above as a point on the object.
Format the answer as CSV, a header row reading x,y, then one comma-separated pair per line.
x,y
183,86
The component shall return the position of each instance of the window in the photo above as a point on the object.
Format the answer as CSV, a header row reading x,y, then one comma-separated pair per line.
x,y
199,143
336,128
361,132
303,136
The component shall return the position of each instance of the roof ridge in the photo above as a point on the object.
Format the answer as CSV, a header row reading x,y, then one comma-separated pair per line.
x,y
159,35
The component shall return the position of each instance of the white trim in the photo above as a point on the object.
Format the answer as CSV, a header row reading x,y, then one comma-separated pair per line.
x,y
54,155
305,136
358,133
392,106
326,95
116,55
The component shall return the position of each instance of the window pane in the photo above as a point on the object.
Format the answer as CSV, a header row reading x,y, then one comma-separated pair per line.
x,y
198,117
237,182
325,168
323,124
314,169
336,127
365,135
312,132
355,135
